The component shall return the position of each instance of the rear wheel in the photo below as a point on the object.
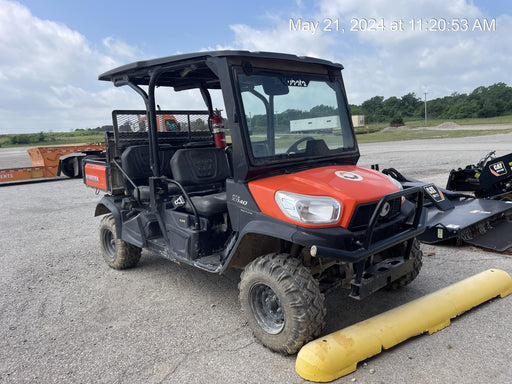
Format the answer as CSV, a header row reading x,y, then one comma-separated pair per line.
x,y
118,254
283,302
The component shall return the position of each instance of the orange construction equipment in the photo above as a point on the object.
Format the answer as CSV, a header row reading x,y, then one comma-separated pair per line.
x,y
45,161
25,173
164,123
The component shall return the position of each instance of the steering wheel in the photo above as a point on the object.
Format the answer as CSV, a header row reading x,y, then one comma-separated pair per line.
x,y
294,148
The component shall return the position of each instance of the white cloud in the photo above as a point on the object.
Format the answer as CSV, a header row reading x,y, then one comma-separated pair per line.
x,y
48,74
119,49
48,71
394,63
282,39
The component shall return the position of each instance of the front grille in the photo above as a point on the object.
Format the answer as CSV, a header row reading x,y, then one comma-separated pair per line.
x,y
363,213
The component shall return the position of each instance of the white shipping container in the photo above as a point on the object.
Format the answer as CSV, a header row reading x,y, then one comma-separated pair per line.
x,y
358,121
315,124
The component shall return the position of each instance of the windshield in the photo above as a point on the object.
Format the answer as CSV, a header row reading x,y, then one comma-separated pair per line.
x,y
294,116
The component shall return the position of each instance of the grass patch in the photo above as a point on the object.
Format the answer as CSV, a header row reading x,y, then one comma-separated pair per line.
x,y
435,122
42,139
472,121
419,134
45,139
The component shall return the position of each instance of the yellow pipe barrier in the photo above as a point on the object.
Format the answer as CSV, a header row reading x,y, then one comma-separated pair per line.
x,y
337,354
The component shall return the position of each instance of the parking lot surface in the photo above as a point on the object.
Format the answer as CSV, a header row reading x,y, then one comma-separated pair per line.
x,y
65,317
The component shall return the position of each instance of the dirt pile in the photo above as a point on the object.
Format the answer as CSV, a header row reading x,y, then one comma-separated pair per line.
x,y
396,129
448,125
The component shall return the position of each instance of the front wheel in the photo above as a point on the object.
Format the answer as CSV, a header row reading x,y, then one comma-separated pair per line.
x,y
118,254
283,302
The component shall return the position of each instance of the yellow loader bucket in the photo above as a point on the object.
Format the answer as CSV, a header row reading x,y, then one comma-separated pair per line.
x,y
337,354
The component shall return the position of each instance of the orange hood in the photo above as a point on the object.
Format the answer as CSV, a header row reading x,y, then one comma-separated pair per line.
x,y
348,184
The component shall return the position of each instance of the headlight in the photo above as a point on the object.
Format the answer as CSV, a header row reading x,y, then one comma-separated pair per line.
x,y
309,209
396,182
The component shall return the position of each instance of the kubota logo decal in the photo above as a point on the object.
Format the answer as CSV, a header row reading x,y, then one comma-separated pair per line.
x,y
349,175
93,178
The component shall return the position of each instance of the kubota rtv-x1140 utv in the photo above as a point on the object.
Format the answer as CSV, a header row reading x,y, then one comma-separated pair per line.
x,y
281,199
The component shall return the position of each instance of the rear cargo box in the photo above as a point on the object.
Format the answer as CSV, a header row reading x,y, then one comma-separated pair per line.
x,y
95,174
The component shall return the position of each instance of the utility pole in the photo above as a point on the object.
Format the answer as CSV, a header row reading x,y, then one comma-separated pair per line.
x,y
425,109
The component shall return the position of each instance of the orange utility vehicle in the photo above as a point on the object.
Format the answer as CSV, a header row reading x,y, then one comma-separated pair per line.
x,y
292,210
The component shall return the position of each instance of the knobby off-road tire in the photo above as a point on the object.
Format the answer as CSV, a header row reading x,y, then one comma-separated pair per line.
x,y
417,256
117,253
283,302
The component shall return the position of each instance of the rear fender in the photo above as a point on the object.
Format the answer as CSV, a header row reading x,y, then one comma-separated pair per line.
x,y
108,206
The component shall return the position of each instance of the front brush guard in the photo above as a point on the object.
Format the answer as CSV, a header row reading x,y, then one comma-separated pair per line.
x,y
416,226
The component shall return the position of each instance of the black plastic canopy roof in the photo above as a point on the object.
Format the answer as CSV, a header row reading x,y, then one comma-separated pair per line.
x,y
188,70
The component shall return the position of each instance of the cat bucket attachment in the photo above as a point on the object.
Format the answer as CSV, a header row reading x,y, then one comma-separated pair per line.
x,y
462,217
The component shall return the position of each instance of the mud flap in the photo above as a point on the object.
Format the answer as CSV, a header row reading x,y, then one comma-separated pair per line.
x,y
337,354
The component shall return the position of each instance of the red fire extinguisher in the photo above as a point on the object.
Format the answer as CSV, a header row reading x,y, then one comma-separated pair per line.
x,y
218,130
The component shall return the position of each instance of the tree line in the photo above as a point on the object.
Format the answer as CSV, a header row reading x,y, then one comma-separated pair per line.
x,y
48,138
491,101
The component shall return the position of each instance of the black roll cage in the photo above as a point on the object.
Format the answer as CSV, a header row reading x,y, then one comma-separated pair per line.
x,y
208,70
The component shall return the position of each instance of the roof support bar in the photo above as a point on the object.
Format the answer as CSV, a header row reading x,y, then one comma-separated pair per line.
x,y
151,113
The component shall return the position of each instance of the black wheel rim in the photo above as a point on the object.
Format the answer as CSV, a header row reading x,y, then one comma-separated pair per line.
x,y
267,308
109,244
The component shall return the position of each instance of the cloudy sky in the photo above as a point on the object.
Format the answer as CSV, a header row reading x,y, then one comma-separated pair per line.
x,y
52,51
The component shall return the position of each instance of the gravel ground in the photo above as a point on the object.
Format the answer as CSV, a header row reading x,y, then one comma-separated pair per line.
x,y
65,317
